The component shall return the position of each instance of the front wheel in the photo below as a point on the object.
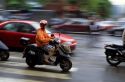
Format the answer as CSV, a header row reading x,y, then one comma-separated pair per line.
x,y
113,60
65,65
31,62
4,55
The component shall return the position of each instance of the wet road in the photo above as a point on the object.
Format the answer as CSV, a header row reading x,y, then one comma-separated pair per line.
x,y
89,65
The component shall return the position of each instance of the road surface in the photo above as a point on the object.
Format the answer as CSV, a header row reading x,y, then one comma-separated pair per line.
x,y
89,64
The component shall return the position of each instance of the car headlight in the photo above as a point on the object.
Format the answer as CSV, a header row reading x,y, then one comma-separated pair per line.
x,y
67,43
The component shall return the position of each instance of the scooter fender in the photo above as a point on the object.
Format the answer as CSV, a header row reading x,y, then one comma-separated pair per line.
x,y
3,46
110,51
59,58
110,48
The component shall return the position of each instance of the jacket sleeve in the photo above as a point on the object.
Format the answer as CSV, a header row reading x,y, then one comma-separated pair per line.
x,y
42,38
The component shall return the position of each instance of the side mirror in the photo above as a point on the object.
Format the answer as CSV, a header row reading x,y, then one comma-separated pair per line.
x,y
3,46
24,41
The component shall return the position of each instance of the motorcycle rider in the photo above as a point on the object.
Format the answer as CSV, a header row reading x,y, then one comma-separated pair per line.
x,y
93,26
43,39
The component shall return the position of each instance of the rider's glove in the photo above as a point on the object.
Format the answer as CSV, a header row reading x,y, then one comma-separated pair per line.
x,y
51,41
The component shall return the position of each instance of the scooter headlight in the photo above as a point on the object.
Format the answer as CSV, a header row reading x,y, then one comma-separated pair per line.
x,y
57,40
32,52
67,43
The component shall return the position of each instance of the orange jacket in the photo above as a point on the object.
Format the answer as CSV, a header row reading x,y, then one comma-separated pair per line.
x,y
42,38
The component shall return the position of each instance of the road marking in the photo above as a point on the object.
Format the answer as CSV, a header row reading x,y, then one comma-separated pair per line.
x,y
19,64
4,79
34,73
14,57
21,68
74,69
13,64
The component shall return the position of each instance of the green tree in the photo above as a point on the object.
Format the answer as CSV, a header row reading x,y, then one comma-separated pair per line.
x,y
73,2
101,7
15,4
43,1
104,8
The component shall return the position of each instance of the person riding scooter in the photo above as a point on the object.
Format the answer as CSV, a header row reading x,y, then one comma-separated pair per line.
x,y
43,39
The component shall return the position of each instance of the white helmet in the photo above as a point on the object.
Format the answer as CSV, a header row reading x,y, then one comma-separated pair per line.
x,y
43,22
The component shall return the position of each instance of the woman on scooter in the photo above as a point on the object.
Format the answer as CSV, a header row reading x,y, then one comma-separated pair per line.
x,y
43,39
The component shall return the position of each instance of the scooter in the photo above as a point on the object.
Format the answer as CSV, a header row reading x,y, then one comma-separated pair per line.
x,y
4,52
35,55
115,54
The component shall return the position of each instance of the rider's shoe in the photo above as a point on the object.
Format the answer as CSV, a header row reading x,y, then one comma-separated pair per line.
x,y
47,62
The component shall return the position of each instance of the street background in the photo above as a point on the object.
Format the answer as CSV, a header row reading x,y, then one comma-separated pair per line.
x,y
72,18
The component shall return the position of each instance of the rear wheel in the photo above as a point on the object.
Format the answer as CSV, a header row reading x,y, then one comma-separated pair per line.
x,y
113,59
65,65
31,62
4,55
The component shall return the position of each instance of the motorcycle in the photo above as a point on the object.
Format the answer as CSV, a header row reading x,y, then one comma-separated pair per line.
x,y
115,54
35,55
4,52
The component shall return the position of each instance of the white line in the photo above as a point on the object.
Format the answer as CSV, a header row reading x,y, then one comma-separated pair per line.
x,y
19,64
35,72
74,69
3,79
14,57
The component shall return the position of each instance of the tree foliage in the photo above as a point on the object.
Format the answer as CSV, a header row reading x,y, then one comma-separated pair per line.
x,y
15,4
101,7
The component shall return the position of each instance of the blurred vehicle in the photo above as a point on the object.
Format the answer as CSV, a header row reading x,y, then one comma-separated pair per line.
x,y
2,19
119,26
119,23
19,14
115,54
56,21
106,25
117,31
121,19
4,51
15,14
4,15
73,25
12,31
45,14
34,5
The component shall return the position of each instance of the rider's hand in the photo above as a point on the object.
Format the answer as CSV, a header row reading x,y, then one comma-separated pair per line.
x,y
51,40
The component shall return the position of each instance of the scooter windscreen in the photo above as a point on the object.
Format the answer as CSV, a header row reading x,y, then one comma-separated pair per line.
x,y
3,46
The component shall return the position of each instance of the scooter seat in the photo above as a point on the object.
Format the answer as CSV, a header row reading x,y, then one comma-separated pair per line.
x,y
35,45
118,46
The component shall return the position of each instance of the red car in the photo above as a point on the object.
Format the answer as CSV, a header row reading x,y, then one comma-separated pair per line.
x,y
11,32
